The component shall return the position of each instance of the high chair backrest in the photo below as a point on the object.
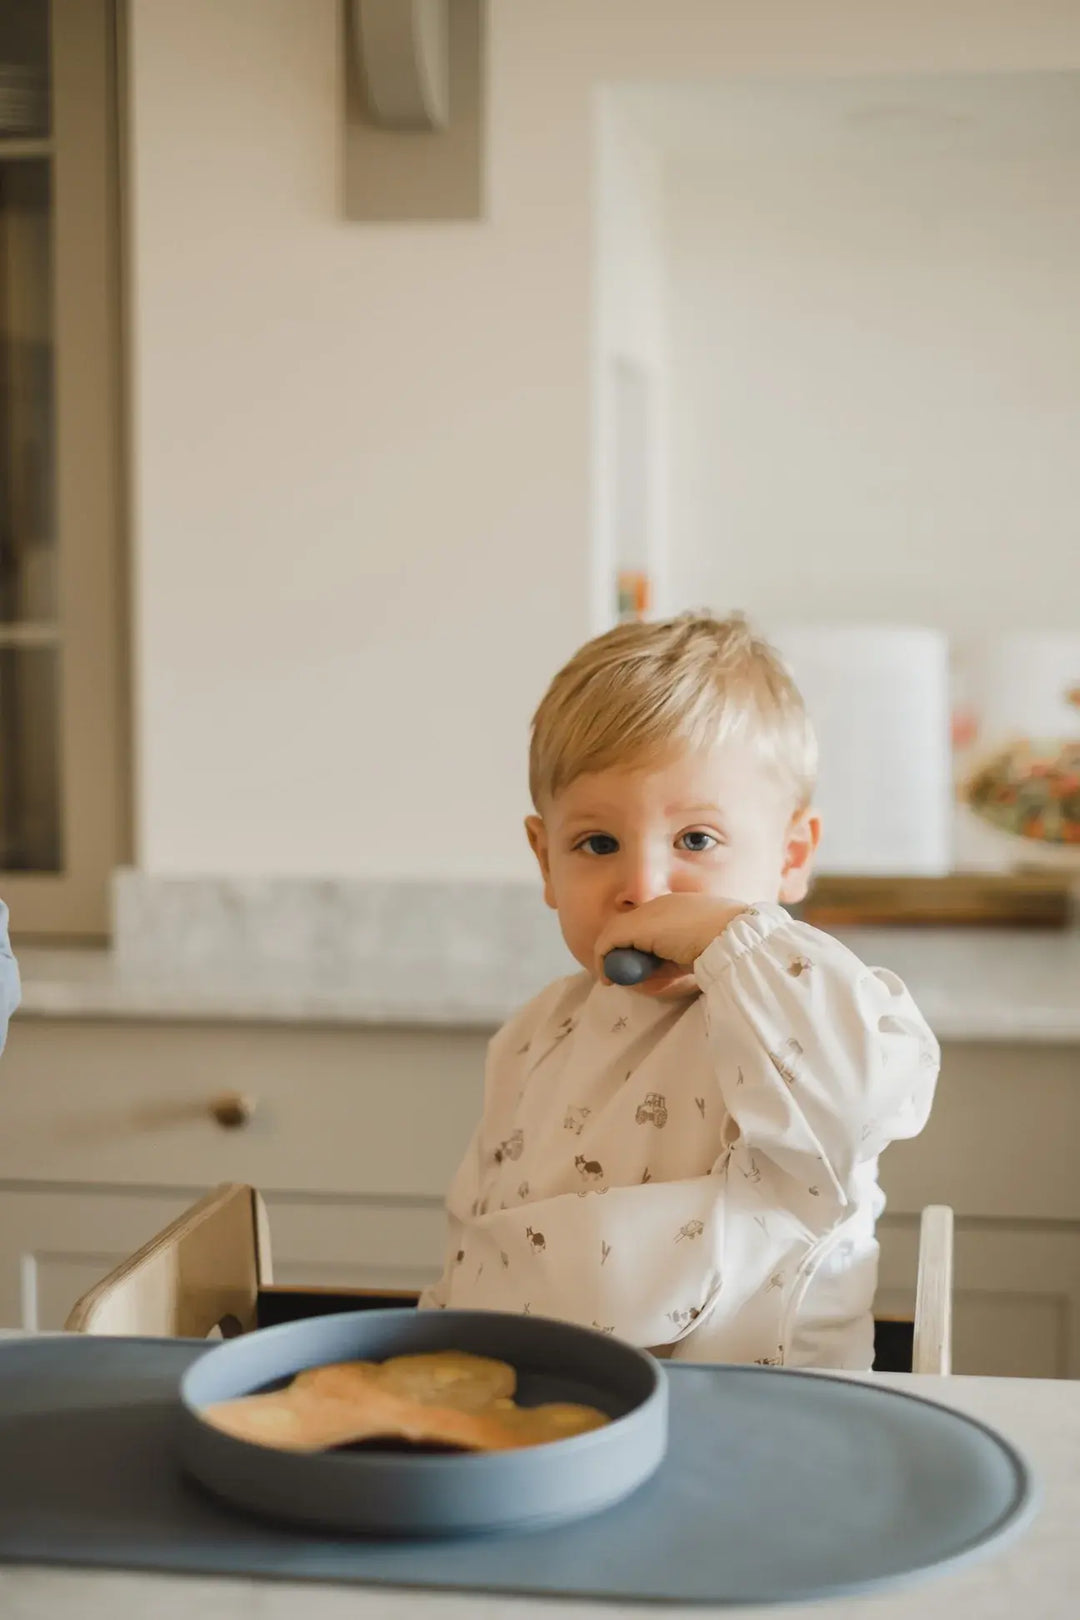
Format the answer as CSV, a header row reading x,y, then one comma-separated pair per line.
x,y
201,1272
934,1292
205,1271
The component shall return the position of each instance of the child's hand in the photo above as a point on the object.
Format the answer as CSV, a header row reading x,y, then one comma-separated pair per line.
x,y
678,927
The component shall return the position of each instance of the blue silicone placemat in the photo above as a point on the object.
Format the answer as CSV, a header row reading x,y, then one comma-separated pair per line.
x,y
776,1486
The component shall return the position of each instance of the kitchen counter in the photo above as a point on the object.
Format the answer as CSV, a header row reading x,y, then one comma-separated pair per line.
x,y
972,985
1036,1577
97,984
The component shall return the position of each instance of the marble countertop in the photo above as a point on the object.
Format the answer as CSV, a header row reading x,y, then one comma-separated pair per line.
x,y
1035,1577
95,984
972,985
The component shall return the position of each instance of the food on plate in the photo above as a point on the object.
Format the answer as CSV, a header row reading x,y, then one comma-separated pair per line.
x,y
447,1400
441,1378
556,1420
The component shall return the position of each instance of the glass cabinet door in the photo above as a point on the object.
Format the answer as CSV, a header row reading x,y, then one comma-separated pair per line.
x,y
30,820
60,560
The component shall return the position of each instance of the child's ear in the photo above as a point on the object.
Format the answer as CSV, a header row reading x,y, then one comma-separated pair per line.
x,y
536,833
803,838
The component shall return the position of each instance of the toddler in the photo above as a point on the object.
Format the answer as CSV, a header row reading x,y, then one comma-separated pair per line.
x,y
690,1164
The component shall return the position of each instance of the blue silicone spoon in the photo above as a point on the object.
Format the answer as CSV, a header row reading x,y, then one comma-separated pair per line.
x,y
627,966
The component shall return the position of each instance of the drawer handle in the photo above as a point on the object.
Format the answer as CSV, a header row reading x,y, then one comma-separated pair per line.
x,y
232,1109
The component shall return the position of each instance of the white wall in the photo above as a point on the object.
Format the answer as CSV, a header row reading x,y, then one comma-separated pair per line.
x,y
876,372
363,493
363,460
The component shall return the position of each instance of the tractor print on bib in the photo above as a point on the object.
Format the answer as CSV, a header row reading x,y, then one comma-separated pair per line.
x,y
653,1111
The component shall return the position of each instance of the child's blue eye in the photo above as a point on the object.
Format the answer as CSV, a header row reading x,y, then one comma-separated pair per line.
x,y
696,842
599,844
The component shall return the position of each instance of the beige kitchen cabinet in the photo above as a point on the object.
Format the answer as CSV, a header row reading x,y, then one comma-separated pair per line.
x,y
370,1112
1001,1147
1017,1297
108,1129
56,1241
356,1243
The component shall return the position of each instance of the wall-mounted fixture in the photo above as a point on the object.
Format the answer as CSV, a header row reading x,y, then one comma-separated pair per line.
x,y
414,121
404,56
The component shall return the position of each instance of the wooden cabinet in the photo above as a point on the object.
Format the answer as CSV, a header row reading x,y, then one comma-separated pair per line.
x,y
107,1131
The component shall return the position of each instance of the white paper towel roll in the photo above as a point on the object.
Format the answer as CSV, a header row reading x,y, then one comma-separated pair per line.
x,y
879,698
1022,684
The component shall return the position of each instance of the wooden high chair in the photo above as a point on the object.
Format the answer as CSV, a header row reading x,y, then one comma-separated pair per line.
x,y
210,1271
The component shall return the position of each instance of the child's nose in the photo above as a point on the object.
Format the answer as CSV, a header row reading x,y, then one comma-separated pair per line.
x,y
640,882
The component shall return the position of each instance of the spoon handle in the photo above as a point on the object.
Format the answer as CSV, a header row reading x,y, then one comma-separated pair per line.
x,y
628,966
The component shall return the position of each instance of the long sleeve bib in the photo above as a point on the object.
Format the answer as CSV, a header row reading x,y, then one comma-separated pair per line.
x,y
699,1174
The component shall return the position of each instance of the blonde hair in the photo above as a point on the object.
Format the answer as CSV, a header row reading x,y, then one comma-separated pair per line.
x,y
632,695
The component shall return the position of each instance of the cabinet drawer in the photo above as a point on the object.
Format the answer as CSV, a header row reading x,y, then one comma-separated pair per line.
x,y
354,1111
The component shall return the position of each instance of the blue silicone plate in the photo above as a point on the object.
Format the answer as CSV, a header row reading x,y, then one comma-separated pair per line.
x,y
418,1494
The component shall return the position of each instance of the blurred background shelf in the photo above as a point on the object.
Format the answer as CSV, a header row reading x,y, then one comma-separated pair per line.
x,y
960,900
